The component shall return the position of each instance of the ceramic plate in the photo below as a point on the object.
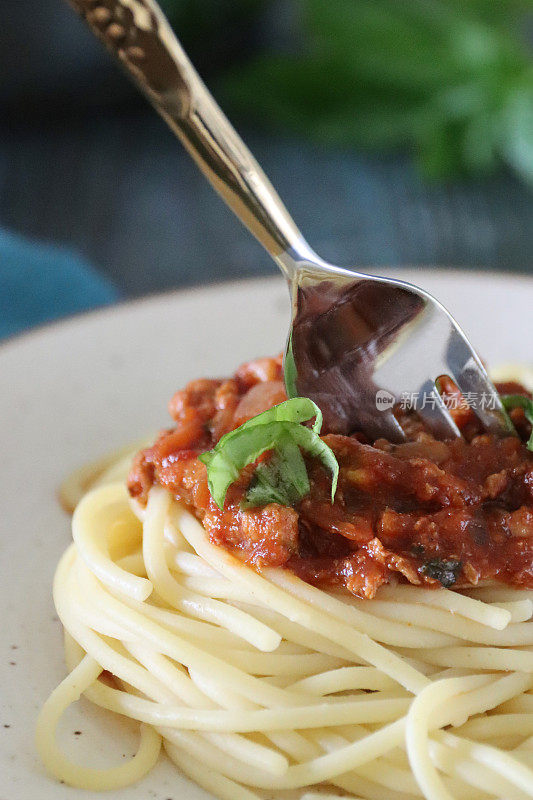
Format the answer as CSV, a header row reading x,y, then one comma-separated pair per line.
x,y
69,393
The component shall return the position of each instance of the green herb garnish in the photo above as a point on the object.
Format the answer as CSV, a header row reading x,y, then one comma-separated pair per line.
x,y
511,401
283,479
289,370
445,572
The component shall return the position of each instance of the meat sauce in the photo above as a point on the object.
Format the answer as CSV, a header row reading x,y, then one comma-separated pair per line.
x,y
428,512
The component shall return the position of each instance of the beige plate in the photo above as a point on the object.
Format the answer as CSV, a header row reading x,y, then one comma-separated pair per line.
x,y
71,392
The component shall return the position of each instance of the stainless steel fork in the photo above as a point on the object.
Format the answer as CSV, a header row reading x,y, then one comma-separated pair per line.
x,y
358,343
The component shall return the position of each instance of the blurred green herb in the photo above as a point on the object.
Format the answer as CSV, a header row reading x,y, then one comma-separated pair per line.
x,y
452,80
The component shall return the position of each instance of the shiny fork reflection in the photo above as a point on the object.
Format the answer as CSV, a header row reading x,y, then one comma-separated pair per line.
x,y
358,340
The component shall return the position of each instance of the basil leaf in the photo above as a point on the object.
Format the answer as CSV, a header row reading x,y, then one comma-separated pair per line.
x,y
235,451
511,401
278,429
297,409
289,370
310,441
282,479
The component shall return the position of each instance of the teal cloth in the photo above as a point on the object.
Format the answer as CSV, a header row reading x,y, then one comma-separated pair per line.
x,y
41,282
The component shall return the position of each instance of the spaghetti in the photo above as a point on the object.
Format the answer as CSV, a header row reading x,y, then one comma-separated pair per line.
x,y
258,682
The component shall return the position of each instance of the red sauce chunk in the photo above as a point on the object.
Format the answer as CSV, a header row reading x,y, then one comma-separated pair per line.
x,y
432,513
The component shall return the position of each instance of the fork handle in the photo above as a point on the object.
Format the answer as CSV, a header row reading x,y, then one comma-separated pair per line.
x,y
137,33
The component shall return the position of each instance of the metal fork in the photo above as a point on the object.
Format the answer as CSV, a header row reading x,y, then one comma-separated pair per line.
x,y
358,343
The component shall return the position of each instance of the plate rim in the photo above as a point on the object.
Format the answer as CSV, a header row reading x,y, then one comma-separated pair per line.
x,y
35,331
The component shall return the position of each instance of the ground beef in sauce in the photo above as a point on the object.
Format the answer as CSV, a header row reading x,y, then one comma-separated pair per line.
x,y
428,512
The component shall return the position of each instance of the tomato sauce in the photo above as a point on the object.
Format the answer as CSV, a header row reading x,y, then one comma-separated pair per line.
x,y
432,513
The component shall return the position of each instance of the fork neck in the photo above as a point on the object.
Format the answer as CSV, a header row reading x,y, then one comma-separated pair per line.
x,y
298,257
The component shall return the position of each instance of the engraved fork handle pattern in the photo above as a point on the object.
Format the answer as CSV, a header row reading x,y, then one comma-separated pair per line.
x,y
137,33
